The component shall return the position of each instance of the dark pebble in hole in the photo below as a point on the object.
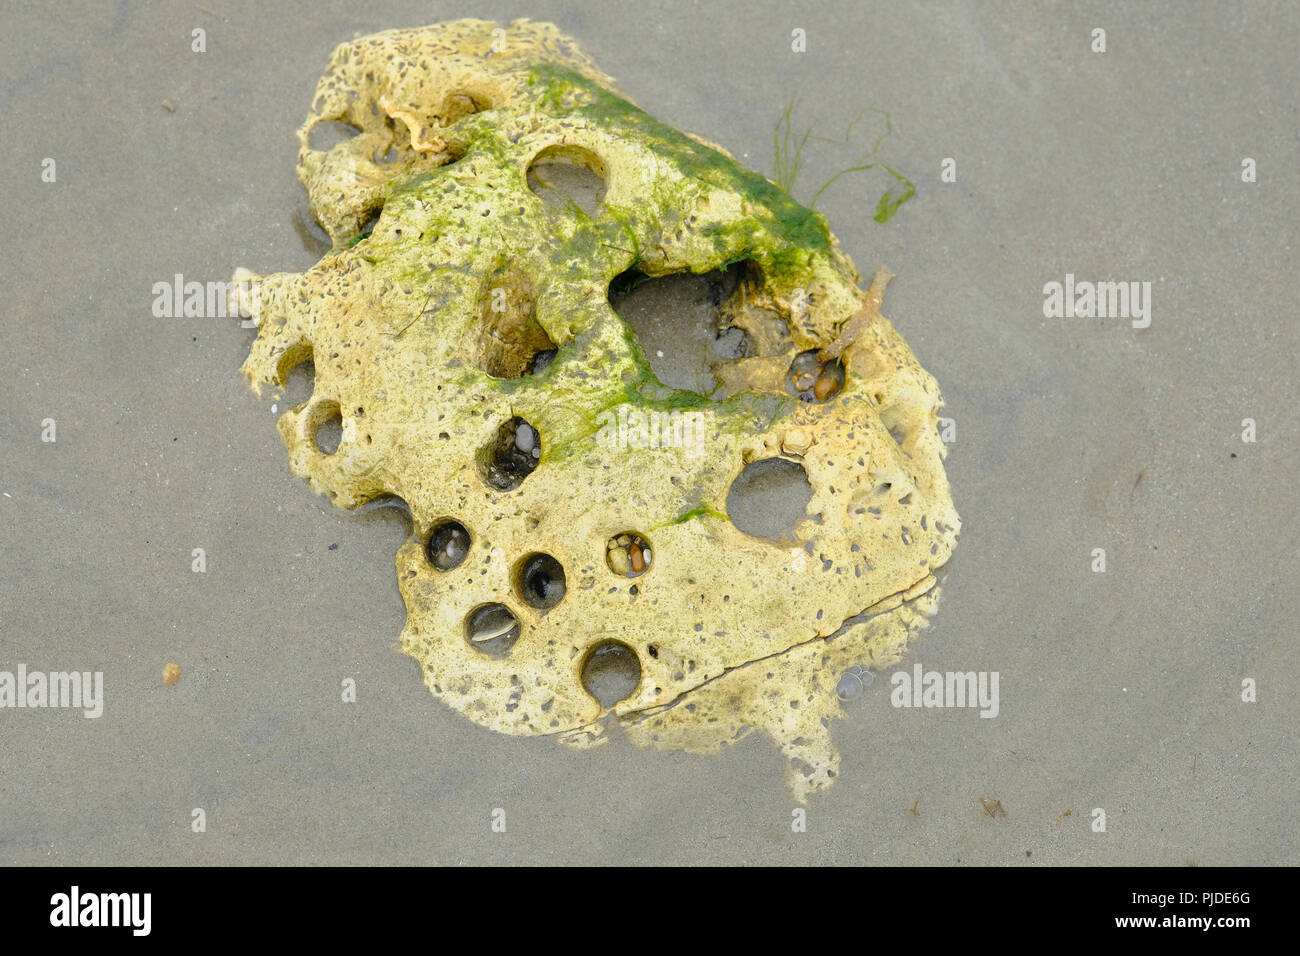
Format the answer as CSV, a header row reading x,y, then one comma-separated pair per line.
x,y
492,629
511,456
541,361
448,545
611,672
541,581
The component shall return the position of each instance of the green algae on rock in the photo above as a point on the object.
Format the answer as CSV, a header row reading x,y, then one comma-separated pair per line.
x,y
462,334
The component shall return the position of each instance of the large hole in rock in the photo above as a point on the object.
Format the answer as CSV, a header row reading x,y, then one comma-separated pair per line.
x,y
448,545
327,430
313,239
460,104
388,510
511,455
540,582
611,672
678,322
366,226
325,135
569,177
768,498
492,629
297,376
511,341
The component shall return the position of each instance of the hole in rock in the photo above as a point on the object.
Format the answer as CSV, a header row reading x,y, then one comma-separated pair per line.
x,y
893,420
679,322
540,581
460,104
328,431
541,361
448,545
388,510
768,498
511,455
324,136
628,554
492,629
297,377
367,227
511,342
313,239
813,380
564,177
611,672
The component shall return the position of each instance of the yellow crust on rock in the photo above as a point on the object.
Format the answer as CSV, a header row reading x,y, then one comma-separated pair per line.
x,y
412,353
